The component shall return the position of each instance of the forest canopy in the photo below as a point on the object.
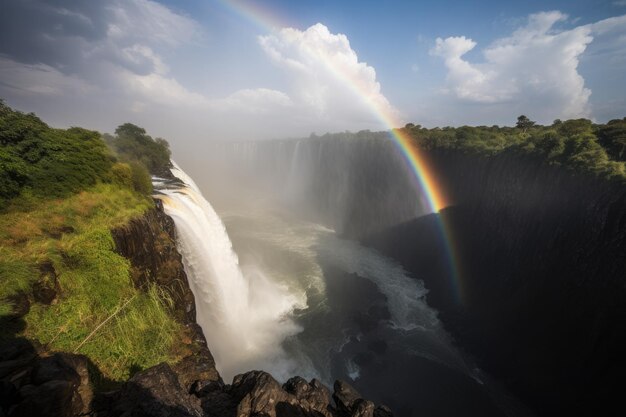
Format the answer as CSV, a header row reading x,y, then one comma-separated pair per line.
x,y
131,143
37,161
576,144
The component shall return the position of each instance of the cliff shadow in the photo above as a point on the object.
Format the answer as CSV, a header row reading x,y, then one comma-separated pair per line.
x,y
541,288
35,381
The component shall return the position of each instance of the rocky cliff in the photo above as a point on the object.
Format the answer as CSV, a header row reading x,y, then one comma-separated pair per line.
x,y
540,288
35,382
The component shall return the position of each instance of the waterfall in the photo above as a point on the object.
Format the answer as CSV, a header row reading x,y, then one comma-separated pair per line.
x,y
356,184
245,318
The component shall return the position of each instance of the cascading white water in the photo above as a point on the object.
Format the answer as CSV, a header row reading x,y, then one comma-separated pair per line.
x,y
244,318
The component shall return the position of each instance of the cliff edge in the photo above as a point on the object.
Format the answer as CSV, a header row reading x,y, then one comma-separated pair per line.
x,y
34,381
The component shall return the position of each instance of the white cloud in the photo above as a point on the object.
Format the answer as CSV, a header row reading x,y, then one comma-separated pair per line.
x,y
114,57
533,70
327,77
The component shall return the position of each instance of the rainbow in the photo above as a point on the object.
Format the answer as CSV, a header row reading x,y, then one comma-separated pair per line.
x,y
436,199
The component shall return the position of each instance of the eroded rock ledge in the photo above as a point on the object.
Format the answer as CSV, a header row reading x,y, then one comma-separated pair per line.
x,y
158,391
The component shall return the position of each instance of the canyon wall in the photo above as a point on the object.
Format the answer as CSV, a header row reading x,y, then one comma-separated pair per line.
x,y
539,290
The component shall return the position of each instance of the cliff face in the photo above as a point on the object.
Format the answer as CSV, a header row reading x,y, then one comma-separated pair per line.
x,y
540,291
149,242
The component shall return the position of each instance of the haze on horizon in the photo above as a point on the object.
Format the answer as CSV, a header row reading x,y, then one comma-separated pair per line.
x,y
202,70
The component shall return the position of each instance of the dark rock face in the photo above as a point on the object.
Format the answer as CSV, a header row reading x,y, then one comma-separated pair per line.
x,y
196,372
540,291
149,242
314,393
35,385
154,392
345,397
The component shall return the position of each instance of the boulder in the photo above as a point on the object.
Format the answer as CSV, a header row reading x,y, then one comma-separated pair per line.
x,y
257,393
66,367
345,397
382,411
31,385
362,408
155,392
52,398
313,395
196,372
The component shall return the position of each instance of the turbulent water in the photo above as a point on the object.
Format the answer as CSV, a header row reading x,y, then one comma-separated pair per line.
x,y
277,290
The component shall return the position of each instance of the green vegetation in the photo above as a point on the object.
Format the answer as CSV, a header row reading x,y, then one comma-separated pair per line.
x,y
37,161
578,145
73,234
46,162
61,192
132,144
612,137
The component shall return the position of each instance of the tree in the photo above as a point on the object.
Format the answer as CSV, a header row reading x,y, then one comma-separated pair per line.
x,y
524,123
132,143
612,137
575,127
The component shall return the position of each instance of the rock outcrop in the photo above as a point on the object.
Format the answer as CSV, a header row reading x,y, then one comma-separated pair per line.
x,y
158,391
33,384
149,242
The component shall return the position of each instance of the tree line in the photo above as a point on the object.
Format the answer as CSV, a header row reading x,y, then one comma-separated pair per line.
x,y
577,144
37,161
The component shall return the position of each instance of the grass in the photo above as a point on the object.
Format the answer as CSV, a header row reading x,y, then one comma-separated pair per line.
x,y
73,234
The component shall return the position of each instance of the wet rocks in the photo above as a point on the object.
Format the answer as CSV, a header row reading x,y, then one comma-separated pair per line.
x,y
196,372
345,397
154,392
258,393
314,393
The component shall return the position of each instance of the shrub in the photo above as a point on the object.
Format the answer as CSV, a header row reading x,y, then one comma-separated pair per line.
x,y
122,174
141,179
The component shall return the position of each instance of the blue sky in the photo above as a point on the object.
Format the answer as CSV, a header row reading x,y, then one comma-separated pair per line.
x,y
199,70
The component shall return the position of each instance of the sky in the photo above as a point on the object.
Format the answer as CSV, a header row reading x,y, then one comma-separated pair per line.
x,y
196,71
